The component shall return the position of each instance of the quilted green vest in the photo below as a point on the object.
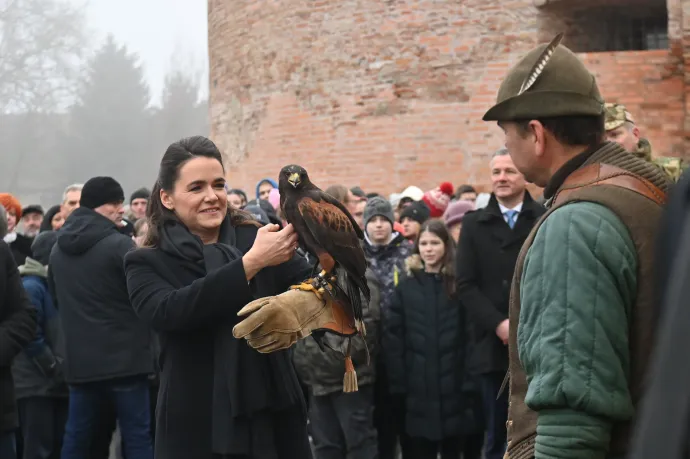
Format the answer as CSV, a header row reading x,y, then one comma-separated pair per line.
x,y
635,191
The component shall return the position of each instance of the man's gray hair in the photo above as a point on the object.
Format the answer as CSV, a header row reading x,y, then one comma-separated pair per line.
x,y
500,152
72,187
3,222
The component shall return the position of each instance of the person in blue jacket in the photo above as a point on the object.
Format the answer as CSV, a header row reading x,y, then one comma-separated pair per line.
x,y
39,386
264,187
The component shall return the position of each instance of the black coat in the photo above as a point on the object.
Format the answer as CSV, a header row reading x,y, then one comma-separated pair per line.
x,y
17,329
486,256
104,339
672,227
21,248
425,344
187,310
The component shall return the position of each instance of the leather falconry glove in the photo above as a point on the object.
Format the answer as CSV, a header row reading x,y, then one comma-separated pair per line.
x,y
277,322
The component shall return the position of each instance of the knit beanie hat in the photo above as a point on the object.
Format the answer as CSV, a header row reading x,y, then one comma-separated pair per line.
x,y
101,190
258,213
141,193
417,211
378,206
43,245
11,204
456,212
438,199
268,209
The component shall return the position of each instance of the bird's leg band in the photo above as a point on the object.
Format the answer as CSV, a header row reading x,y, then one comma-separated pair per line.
x,y
321,282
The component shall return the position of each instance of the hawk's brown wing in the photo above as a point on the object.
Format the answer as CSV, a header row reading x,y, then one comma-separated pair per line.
x,y
334,232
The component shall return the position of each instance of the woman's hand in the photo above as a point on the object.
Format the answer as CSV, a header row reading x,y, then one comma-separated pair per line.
x,y
271,247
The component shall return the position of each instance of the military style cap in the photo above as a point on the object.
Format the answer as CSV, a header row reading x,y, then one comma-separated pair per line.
x,y
616,116
549,81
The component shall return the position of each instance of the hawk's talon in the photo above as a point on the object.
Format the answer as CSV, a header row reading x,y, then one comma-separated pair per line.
x,y
308,287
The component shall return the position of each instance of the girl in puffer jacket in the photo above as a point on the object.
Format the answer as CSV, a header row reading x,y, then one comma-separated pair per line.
x,y
426,346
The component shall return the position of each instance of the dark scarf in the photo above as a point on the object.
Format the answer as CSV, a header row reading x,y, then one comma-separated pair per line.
x,y
248,387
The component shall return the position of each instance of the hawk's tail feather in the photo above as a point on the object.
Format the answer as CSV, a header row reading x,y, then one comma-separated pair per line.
x,y
356,288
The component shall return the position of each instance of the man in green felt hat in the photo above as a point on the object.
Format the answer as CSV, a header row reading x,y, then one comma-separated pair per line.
x,y
582,309
620,127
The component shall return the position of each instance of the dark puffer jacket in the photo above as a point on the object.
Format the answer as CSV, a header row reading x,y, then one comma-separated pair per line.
x,y
425,342
388,263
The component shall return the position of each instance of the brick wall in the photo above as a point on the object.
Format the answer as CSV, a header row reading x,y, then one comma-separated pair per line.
x,y
650,90
389,93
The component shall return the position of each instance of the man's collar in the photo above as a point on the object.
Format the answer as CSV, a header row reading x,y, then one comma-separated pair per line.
x,y
493,208
566,169
504,209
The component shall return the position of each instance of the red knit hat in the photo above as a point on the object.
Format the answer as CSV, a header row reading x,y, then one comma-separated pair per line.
x,y
438,199
11,204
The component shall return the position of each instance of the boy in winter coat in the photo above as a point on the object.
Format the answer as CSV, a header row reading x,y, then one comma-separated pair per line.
x,y
40,389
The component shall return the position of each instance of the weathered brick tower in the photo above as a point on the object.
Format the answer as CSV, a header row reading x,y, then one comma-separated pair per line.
x,y
388,93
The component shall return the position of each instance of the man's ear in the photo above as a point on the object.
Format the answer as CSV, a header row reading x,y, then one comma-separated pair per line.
x,y
636,133
539,135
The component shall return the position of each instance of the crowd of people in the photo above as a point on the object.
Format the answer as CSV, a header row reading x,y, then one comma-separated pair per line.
x,y
117,314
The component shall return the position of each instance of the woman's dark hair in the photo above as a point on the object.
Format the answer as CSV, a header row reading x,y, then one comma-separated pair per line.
x,y
240,193
339,192
464,189
174,158
437,227
573,130
47,223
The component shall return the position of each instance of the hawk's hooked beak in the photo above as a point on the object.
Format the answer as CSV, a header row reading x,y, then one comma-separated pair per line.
x,y
294,179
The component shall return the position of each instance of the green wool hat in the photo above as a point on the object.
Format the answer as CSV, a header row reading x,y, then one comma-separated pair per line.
x,y
560,85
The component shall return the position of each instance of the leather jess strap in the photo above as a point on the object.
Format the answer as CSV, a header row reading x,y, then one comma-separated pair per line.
x,y
606,174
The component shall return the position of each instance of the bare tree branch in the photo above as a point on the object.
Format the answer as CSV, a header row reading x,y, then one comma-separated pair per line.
x,y
41,49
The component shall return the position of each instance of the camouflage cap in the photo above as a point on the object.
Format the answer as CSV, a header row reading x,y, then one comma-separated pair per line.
x,y
616,116
564,87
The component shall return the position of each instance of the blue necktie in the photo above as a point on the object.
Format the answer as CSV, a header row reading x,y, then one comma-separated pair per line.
x,y
511,216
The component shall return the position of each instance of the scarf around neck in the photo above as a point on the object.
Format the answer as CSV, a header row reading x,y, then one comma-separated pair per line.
x,y
248,386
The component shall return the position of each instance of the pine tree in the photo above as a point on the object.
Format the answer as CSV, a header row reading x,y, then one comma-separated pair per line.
x,y
110,125
182,113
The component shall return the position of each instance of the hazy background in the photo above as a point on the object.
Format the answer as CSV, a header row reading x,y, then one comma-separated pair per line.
x,y
97,87
156,30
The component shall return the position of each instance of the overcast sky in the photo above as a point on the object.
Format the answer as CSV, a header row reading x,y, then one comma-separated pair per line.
x,y
155,30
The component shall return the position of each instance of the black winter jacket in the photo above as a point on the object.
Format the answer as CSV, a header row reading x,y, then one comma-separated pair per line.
x,y
104,338
17,329
425,345
188,307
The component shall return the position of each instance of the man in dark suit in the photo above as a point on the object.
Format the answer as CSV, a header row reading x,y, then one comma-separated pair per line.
x,y
17,329
489,245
